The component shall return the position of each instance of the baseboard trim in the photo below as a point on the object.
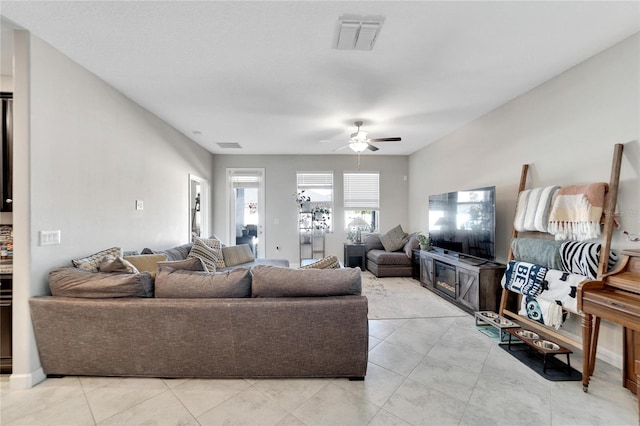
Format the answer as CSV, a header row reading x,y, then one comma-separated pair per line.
x,y
26,381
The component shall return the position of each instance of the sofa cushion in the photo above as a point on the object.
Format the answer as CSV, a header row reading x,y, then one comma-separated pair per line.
x,y
193,264
182,284
394,239
383,257
74,282
235,255
328,262
175,253
411,244
372,242
92,263
147,262
273,281
117,264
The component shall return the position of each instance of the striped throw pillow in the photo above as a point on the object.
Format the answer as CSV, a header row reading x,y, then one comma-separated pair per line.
x,y
92,263
329,262
210,256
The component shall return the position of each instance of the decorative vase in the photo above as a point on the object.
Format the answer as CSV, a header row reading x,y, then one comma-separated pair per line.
x,y
306,207
424,246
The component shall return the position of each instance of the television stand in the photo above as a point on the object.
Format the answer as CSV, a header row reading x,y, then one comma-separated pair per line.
x,y
471,286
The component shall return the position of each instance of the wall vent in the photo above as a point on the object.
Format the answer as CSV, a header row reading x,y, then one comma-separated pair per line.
x,y
229,145
357,33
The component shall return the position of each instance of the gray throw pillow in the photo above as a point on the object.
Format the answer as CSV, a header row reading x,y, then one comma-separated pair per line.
x,y
117,264
236,255
411,245
394,240
193,264
182,284
274,281
91,263
372,242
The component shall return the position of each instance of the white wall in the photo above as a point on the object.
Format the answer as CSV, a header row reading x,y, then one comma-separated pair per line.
x,y
280,182
565,129
85,154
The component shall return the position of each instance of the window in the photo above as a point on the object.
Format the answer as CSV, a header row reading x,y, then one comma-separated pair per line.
x,y
318,186
361,201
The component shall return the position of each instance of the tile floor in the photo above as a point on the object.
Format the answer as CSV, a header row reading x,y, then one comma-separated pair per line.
x,y
422,371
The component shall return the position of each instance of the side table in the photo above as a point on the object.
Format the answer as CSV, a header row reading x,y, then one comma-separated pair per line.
x,y
354,255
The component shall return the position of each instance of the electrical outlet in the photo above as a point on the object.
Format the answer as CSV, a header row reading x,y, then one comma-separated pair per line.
x,y
50,238
139,205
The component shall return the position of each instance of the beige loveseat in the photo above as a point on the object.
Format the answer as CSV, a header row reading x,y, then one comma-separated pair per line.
x,y
267,322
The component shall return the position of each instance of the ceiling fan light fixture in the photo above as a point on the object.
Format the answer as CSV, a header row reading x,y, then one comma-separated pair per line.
x,y
358,146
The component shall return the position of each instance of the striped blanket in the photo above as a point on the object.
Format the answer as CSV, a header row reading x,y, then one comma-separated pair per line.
x,y
533,208
576,212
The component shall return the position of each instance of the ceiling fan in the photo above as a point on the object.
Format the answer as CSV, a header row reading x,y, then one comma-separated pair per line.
x,y
359,140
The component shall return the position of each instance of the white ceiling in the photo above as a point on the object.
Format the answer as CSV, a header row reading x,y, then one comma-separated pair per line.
x,y
264,74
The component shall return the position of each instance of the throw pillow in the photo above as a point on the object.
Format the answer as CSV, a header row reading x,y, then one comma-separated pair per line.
x,y
274,281
329,262
74,282
175,253
117,264
209,252
236,255
92,263
180,284
147,262
411,245
394,240
193,264
372,242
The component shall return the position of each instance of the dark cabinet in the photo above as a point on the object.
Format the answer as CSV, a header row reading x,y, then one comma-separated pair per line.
x,y
7,152
354,255
472,284
6,311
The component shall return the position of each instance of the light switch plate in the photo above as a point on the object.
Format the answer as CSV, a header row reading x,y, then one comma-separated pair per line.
x,y
139,205
50,238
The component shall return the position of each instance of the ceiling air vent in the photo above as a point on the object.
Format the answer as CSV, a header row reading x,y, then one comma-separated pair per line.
x,y
229,145
357,33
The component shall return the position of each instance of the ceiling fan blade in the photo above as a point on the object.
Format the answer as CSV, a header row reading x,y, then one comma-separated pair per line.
x,y
385,140
372,148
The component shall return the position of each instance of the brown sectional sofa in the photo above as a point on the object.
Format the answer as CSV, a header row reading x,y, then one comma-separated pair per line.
x,y
281,322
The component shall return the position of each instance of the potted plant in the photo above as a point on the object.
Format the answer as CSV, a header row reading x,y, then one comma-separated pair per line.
x,y
303,201
423,240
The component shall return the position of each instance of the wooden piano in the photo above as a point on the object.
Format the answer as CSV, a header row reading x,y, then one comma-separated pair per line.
x,y
615,298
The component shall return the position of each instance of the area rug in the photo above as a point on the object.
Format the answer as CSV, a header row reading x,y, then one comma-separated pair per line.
x,y
400,297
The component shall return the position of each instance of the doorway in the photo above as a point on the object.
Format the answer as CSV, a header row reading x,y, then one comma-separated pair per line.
x,y
246,211
198,207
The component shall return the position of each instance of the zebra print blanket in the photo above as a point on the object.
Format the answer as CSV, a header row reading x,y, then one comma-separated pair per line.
x,y
582,258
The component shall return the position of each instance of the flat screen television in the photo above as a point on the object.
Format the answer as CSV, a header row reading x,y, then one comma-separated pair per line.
x,y
464,222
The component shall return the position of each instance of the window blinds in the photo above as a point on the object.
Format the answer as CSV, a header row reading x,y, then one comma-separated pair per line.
x,y
362,190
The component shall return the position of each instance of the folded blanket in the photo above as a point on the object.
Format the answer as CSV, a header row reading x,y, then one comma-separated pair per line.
x,y
538,251
524,278
583,258
561,288
542,311
533,208
576,212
